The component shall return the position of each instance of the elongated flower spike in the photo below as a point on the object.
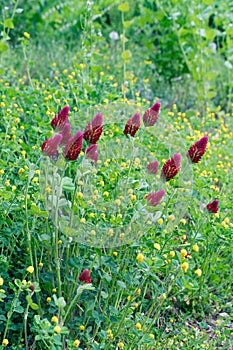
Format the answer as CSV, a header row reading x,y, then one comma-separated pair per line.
x,y
73,146
151,115
49,146
85,276
65,133
132,125
171,167
94,129
153,199
213,206
197,150
60,120
91,152
153,167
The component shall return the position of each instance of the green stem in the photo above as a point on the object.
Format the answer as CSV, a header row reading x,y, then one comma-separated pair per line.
x,y
9,314
27,67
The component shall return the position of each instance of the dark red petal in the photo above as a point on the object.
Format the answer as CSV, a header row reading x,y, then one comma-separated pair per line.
x,y
153,199
73,146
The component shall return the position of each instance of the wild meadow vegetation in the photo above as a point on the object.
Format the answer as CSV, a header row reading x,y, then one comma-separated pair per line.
x,y
116,179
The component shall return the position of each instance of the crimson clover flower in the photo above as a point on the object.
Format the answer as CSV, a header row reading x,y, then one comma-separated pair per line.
x,y
94,129
197,150
153,167
49,146
153,199
60,120
91,152
213,206
132,125
151,115
65,133
85,276
73,146
171,167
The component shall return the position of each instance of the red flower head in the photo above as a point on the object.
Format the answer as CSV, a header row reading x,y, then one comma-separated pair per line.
x,y
91,152
49,147
132,125
197,150
65,133
60,120
94,129
213,206
153,167
151,115
153,199
171,167
73,146
85,276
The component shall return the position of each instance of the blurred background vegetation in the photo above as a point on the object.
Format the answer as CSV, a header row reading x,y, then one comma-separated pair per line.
x,y
184,47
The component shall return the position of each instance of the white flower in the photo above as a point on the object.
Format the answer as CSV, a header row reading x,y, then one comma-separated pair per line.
x,y
114,36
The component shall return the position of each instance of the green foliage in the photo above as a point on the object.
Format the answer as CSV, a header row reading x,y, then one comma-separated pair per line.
x,y
141,295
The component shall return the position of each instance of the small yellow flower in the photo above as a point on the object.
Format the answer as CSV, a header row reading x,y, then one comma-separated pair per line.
x,y
198,272
57,329
157,246
151,336
138,292
184,267
82,328
21,170
160,221
27,35
76,343
48,300
59,242
83,220
183,221
115,253
30,269
172,253
138,326
54,290
128,297
54,319
5,342
183,253
140,258
106,194
79,195
195,248
1,281
102,183
7,182
121,345
2,171
13,188
171,217
40,264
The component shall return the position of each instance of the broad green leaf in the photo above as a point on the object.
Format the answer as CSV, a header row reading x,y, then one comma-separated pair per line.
x,y
211,94
121,284
8,23
67,184
124,7
3,46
